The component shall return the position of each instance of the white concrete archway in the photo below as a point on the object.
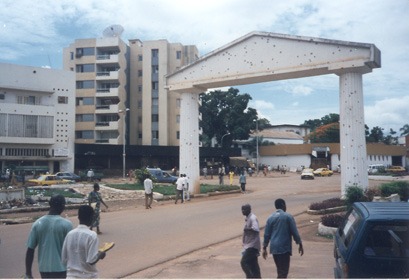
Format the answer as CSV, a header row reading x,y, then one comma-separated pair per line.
x,y
263,57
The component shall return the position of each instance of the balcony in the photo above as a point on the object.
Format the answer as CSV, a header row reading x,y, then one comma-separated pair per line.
x,y
107,92
107,125
106,109
104,58
107,75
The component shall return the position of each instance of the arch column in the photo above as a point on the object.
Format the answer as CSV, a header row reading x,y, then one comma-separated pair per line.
x,y
189,140
352,132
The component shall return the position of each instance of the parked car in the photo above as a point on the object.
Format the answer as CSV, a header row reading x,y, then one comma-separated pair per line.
x,y
68,176
307,173
373,241
48,180
395,169
161,176
323,172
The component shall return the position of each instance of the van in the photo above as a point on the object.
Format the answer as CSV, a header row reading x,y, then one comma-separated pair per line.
x,y
376,168
373,241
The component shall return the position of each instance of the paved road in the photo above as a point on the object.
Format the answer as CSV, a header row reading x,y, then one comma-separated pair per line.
x,y
149,239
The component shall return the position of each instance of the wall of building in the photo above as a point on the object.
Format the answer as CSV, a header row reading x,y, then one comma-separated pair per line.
x,y
37,117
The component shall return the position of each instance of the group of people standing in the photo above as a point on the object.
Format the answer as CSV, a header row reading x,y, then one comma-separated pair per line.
x,y
64,252
279,231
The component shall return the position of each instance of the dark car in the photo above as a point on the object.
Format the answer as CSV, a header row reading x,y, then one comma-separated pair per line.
x,y
161,176
68,176
373,241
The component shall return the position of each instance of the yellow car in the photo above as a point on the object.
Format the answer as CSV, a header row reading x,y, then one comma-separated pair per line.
x,y
323,172
396,169
48,180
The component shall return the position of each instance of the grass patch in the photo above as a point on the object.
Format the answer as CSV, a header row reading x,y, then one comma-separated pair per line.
x,y
170,189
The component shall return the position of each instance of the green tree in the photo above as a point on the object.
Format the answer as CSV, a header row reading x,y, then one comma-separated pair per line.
x,y
404,130
226,112
376,135
327,119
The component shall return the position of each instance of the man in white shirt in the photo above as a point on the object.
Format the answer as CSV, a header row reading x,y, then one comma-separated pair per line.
x,y
179,188
80,249
148,185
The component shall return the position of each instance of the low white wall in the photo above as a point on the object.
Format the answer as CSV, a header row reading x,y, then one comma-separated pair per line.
x,y
8,195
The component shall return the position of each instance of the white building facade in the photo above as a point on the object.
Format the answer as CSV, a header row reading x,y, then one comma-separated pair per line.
x,y
37,118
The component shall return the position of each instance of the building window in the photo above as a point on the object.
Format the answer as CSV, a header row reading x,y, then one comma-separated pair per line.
x,y
72,55
177,118
155,52
140,89
155,134
85,68
155,69
84,84
155,118
155,101
62,99
178,103
84,118
140,135
178,54
29,100
84,101
140,57
178,135
84,134
155,85
139,73
139,104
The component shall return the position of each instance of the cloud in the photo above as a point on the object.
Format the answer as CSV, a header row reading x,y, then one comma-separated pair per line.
x,y
388,113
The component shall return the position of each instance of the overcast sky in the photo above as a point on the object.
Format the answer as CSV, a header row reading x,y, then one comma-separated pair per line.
x,y
34,32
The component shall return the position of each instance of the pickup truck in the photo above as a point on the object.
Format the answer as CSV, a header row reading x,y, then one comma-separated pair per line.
x,y
373,241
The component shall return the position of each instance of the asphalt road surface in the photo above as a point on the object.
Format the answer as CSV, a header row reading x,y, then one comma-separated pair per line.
x,y
159,238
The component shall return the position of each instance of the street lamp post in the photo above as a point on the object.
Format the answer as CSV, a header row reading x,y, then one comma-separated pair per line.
x,y
123,140
221,141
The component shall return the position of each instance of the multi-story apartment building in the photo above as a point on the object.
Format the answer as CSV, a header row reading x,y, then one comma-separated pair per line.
x,y
37,108
101,83
112,77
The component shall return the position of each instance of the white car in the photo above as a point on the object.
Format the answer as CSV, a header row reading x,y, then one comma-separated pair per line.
x,y
307,173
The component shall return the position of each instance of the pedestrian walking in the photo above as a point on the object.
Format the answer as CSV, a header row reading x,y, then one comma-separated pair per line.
x,y
231,175
242,181
205,172
180,182
251,244
48,233
95,200
80,251
90,175
186,193
279,231
148,185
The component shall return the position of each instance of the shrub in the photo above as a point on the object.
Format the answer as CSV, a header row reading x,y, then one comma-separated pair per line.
x,y
332,220
399,187
141,174
328,203
370,193
354,194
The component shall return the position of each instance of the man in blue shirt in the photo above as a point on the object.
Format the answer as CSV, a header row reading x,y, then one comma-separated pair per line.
x,y
280,229
48,234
